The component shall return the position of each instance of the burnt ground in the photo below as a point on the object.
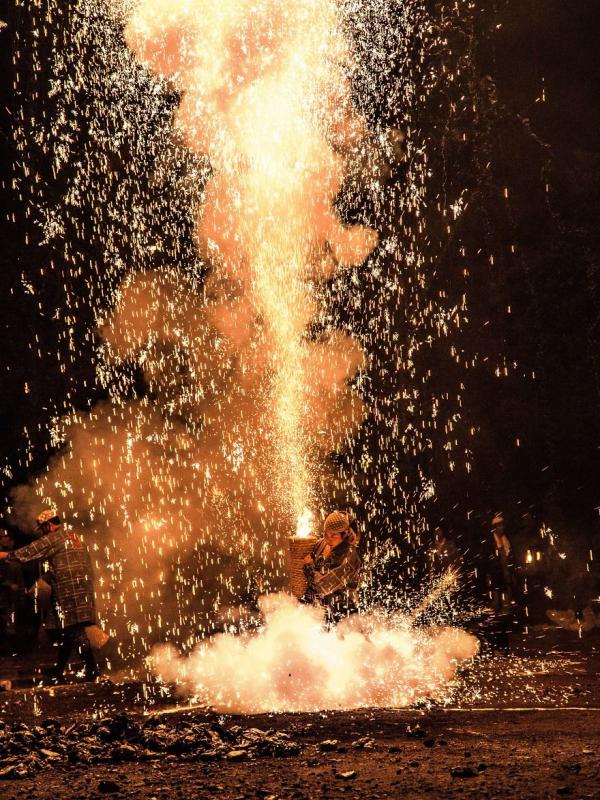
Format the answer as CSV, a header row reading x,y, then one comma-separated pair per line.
x,y
523,727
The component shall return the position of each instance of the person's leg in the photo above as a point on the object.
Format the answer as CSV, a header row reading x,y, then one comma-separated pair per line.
x,y
87,654
65,647
74,638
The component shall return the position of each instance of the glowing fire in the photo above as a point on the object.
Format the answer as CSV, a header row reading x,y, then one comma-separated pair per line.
x,y
305,524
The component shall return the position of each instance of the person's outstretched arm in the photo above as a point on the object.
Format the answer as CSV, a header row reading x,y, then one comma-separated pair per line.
x,y
44,547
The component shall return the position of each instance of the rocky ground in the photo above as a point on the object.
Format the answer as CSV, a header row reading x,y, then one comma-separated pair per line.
x,y
523,727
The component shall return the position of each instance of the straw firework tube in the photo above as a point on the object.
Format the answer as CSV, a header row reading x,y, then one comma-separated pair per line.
x,y
300,547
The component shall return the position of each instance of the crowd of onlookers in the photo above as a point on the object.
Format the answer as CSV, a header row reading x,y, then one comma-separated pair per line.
x,y
522,581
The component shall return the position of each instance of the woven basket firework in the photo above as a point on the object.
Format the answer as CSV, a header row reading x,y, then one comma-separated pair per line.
x,y
300,547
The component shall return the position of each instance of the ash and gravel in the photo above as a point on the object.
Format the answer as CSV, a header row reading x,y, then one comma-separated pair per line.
x,y
27,749
540,741
378,754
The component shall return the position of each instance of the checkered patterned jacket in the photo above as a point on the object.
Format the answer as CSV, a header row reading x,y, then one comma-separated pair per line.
x,y
72,568
339,572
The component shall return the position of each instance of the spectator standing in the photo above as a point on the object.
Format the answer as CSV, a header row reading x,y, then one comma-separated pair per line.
x,y
73,589
500,581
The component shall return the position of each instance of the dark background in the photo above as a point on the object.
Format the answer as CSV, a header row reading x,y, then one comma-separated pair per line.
x,y
530,436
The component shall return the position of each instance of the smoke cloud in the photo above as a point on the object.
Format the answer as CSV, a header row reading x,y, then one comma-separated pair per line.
x,y
294,664
190,490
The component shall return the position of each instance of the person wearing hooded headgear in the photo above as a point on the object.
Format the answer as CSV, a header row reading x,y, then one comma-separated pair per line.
x,y
73,587
333,568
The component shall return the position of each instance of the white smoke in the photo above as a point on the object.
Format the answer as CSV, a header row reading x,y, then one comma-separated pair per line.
x,y
293,663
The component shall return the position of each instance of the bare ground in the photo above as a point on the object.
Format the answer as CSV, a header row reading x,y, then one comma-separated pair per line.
x,y
527,727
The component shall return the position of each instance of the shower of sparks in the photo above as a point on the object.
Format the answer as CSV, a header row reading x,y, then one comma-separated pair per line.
x,y
265,96
445,586
518,683
225,205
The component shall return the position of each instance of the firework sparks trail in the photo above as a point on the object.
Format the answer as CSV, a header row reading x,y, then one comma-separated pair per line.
x,y
265,97
446,584
189,490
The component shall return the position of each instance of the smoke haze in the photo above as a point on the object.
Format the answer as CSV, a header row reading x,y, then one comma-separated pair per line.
x,y
294,664
190,492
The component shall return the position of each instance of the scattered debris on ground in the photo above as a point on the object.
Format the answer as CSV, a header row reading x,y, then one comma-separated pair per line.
x,y
25,749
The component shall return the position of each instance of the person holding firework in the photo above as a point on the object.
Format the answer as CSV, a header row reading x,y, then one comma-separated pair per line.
x,y
333,568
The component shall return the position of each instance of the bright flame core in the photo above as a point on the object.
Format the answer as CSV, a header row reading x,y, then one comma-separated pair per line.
x,y
305,524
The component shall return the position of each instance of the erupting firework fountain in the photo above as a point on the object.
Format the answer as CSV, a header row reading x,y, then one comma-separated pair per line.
x,y
266,97
249,387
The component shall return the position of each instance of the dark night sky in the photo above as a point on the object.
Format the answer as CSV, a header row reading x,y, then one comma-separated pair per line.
x,y
556,42
553,286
